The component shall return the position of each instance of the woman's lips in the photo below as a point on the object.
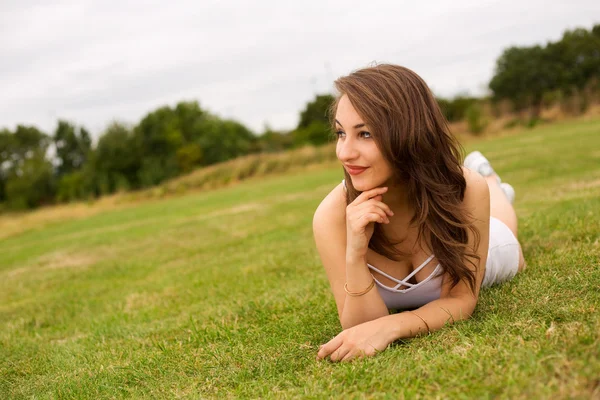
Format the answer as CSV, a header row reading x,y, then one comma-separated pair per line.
x,y
355,171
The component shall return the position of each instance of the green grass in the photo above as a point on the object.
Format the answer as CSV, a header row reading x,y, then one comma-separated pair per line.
x,y
221,294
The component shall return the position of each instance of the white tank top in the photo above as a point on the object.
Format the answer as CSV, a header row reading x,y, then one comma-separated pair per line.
x,y
414,294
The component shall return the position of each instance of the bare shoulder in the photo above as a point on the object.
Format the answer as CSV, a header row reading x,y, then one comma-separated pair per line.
x,y
329,228
477,193
332,210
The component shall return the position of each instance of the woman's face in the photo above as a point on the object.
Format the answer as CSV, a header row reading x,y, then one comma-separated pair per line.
x,y
357,150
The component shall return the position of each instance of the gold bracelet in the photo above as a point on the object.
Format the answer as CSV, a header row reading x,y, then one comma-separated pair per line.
x,y
421,318
356,294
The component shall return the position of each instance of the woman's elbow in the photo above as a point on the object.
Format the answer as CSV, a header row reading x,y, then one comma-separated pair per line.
x,y
466,309
458,308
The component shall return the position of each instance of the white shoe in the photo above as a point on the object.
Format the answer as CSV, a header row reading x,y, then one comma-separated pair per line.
x,y
475,161
509,191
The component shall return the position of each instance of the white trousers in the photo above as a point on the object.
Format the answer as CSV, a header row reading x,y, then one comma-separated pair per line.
x,y
503,254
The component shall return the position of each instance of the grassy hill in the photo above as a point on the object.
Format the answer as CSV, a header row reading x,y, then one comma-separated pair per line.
x,y
221,294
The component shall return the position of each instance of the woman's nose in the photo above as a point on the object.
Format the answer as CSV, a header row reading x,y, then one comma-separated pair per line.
x,y
347,150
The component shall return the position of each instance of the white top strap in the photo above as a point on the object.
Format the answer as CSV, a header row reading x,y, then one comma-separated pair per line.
x,y
402,282
420,267
388,276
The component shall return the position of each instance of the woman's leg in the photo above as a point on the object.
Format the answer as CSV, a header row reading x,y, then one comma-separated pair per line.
x,y
501,208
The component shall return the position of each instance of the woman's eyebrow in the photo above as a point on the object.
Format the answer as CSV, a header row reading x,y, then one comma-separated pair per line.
x,y
355,126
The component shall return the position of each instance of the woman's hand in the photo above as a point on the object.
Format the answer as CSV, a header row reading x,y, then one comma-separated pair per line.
x,y
366,209
364,340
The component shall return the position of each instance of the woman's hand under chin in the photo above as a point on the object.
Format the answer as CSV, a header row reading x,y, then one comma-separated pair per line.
x,y
361,215
364,340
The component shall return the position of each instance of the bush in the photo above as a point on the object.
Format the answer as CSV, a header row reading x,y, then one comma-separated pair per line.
x,y
552,97
35,186
71,187
456,109
317,133
513,123
475,119
532,122
188,157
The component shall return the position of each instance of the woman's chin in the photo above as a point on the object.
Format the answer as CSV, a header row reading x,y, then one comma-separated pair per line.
x,y
362,186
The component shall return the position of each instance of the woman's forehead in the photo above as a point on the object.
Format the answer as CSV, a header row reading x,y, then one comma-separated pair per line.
x,y
346,114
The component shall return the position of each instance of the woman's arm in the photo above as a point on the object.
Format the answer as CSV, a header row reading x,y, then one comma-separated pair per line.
x,y
359,309
345,267
371,337
456,303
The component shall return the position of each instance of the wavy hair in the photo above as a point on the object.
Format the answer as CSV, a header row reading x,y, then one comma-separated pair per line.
x,y
413,136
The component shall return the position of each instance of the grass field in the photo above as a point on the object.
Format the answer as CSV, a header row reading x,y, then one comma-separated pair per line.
x,y
222,295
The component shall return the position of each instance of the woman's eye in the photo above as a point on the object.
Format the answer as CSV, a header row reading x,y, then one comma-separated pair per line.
x,y
364,134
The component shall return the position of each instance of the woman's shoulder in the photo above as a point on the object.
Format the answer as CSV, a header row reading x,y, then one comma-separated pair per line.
x,y
332,209
475,182
477,193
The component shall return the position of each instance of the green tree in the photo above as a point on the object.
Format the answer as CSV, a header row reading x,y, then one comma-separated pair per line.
x,y
455,109
314,126
6,140
580,53
223,140
317,133
170,141
189,156
73,186
26,142
190,118
274,141
523,75
73,146
34,186
27,174
475,119
316,111
157,138
112,166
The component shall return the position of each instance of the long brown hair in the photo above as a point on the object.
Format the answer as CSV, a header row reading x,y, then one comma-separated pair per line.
x,y
413,136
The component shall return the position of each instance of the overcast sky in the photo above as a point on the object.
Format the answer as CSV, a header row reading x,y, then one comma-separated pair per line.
x,y
93,61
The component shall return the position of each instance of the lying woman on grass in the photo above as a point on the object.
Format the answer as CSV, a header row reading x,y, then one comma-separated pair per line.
x,y
409,228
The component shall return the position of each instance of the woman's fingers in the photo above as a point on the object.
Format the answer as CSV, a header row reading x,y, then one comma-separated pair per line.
x,y
368,203
351,355
354,213
373,217
375,203
340,353
339,350
383,206
329,347
364,196
370,210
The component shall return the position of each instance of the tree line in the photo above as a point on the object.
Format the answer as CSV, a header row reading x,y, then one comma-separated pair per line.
x,y
37,168
530,76
166,143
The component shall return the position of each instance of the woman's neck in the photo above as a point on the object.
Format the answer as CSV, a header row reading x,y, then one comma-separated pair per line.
x,y
399,228
397,199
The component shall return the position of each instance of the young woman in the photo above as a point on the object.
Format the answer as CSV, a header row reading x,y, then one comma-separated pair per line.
x,y
409,227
